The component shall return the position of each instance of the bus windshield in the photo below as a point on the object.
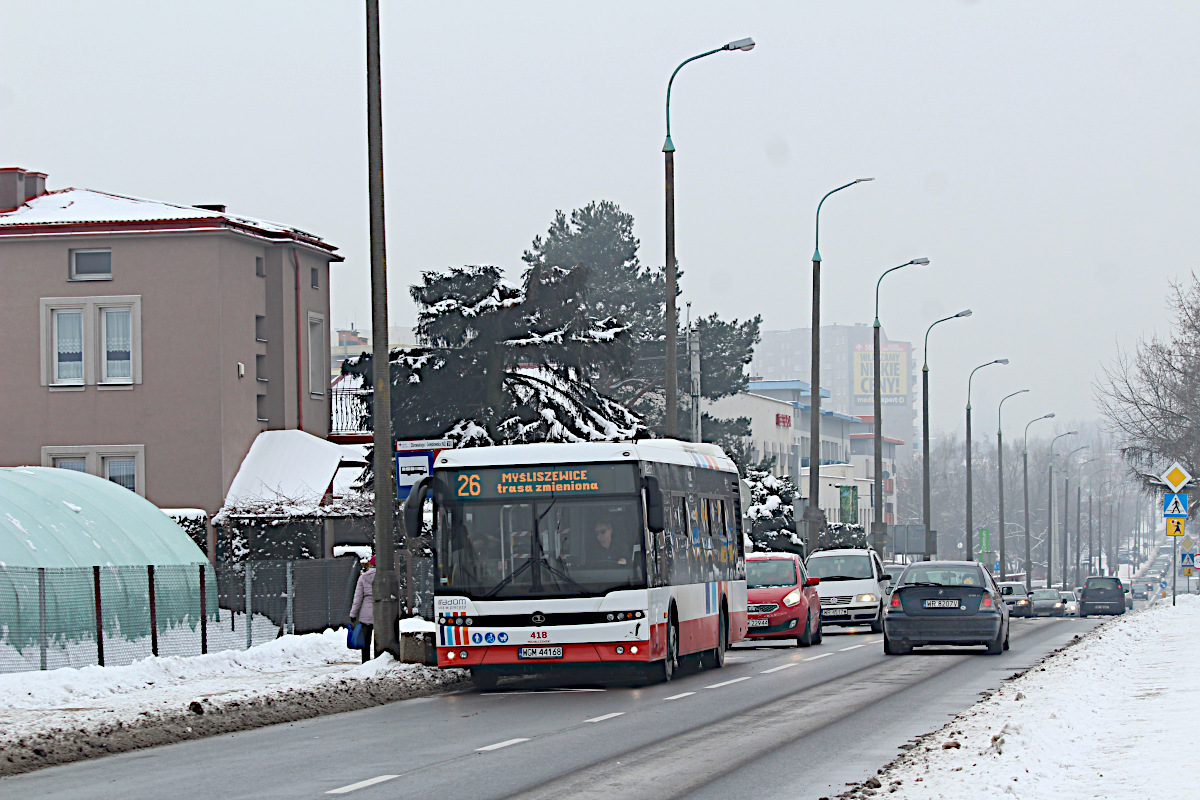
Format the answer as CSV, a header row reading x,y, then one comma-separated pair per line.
x,y
542,546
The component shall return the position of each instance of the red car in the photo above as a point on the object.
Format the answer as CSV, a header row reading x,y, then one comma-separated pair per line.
x,y
782,602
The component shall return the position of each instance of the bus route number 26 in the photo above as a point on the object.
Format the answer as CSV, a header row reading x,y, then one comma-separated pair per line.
x,y
468,486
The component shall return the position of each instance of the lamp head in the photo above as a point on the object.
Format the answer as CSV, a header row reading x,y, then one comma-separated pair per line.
x,y
966,313
1049,416
746,44
863,180
1000,361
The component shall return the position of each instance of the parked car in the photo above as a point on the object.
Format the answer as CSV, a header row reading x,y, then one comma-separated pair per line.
x,y
1047,603
1102,595
1016,597
782,601
1071,604
853,584
945,602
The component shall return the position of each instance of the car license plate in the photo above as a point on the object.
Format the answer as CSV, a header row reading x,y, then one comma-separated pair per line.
x,y
835,612
539,652
756,623
941,604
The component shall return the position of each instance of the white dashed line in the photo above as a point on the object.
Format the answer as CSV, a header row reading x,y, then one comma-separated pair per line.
x,y
726,683
606,716
362,784
498,745
814,658
776,669
851,647
678,696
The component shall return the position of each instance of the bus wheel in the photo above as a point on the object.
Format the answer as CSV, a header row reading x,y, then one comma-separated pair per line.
x,y
716,657
665,670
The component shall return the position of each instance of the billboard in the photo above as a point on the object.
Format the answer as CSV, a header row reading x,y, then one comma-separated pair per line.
x,y
894,371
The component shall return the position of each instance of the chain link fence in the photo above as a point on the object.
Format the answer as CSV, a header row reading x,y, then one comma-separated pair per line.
x,y
74,617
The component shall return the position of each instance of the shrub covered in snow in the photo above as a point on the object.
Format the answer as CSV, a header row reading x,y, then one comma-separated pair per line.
x,y
772,512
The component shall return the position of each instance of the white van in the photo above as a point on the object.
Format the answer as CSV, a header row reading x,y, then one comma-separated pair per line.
x,y
852,588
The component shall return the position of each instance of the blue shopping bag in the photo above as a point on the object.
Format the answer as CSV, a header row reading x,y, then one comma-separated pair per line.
x,y
355,640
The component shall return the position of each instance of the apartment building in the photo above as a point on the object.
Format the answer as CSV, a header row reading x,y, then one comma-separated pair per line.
x,y
150,342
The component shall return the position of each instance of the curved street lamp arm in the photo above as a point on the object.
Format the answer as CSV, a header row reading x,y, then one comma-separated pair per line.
x,y
1038,419
971,377
1000,408
671,81
817,241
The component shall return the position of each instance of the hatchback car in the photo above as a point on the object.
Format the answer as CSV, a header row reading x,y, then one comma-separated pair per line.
x,y
853,583
782,601
1141,591
1071,604
1047,603
945,602
1102,595
1016,597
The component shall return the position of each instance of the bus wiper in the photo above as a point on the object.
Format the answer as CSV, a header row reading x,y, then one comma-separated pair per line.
x,y
512,576
563,576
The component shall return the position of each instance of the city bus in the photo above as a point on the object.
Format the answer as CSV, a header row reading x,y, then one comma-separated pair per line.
x,y
622,556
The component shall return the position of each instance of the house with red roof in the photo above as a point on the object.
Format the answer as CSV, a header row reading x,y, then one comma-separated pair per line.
x,y
150,343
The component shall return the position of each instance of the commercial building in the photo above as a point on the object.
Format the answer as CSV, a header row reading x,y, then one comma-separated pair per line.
x,y
150,343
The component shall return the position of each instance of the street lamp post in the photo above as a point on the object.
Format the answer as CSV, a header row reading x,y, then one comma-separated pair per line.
x,y
1078,519
1028,538
927,512
672,373
814,517
1066,539
1092,550
1000,474
1050,512
970,511
878,529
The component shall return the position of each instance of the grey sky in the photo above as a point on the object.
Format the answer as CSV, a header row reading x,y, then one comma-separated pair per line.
x,y
1043,155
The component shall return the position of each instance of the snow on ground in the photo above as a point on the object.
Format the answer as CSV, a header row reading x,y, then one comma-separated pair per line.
x,y
66,714
1109,717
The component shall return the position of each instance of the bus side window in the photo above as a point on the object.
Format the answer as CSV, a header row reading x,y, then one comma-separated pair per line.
x,y
694,519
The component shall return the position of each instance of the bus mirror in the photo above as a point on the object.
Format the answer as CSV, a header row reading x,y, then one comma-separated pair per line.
x,y
413,507
654,505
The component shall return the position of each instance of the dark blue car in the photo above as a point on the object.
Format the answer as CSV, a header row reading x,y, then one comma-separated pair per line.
x,y
945,602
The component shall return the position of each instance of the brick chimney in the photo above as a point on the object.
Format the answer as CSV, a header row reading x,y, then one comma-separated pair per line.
x,y
18,186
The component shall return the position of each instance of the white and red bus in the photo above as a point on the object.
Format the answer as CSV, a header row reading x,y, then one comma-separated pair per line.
x,y
620,555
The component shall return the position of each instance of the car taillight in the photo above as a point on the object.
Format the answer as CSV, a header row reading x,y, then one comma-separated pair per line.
x,y
987,601
895,601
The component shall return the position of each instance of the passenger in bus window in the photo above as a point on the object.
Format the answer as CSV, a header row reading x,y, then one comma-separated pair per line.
x,y
605,552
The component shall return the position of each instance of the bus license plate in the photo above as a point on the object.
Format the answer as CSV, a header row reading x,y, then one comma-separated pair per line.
x,y
835,612
756,623
941,604
539,652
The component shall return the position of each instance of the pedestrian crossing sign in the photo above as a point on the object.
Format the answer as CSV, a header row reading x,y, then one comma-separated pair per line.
x,y
1175,504
1187,560
1176,527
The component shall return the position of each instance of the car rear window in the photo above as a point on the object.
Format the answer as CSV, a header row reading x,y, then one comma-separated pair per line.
x,y
842,567
772,572
943,575
1103,583
1046,594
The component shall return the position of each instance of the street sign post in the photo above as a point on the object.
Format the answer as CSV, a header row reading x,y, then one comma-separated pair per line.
x,y
985,540
1175,505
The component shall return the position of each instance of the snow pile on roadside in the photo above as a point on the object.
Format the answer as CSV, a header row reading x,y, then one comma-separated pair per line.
x,y
1095,720
67,714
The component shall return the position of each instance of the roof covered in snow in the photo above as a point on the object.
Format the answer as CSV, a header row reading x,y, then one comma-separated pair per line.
x,y
61,518
67,209
292,468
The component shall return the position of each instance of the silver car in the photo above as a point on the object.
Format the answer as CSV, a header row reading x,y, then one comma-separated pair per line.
x,y
1016,597
1070,604
1047,603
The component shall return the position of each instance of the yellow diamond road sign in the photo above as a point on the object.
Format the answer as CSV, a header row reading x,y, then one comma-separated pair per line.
x,y
1187,543
1176,477
1176,527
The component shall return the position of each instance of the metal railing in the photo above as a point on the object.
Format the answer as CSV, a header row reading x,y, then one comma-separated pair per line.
x,y
349,411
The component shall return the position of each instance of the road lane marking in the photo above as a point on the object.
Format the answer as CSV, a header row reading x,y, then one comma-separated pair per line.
x,y
362,784
498,745
851,647
874,641
606,716
726,683
678,696
776,669
814,658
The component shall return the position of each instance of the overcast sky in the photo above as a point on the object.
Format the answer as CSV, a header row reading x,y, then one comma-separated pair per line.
x,y
1042,155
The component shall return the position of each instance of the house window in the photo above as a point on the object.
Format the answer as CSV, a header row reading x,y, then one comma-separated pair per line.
x,y
91,341
316,278
260,268
91,265
117,334
121,470
68,346
318,363
123,464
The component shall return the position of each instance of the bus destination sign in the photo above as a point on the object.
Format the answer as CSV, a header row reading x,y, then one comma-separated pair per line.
x,y
565,480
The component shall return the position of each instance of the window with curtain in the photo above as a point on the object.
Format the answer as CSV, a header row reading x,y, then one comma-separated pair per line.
x,y
78,464
68,345
318,367
118,344
121,470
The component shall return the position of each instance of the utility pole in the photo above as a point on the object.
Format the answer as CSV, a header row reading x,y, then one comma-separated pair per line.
x,y
693,346
385,588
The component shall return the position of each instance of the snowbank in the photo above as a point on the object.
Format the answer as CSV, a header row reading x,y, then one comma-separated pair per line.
x,y
68,714
1105,718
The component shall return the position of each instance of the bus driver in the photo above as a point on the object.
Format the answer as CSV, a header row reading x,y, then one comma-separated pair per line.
x,y
603,552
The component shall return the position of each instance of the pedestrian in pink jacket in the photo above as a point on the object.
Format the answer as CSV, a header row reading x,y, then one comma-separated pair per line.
x,y
363,610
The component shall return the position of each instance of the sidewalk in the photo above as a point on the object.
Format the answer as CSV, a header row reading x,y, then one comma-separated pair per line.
x,y
70,714
1109,717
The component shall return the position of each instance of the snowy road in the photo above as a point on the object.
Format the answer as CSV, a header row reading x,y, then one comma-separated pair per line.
x,y
788,722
